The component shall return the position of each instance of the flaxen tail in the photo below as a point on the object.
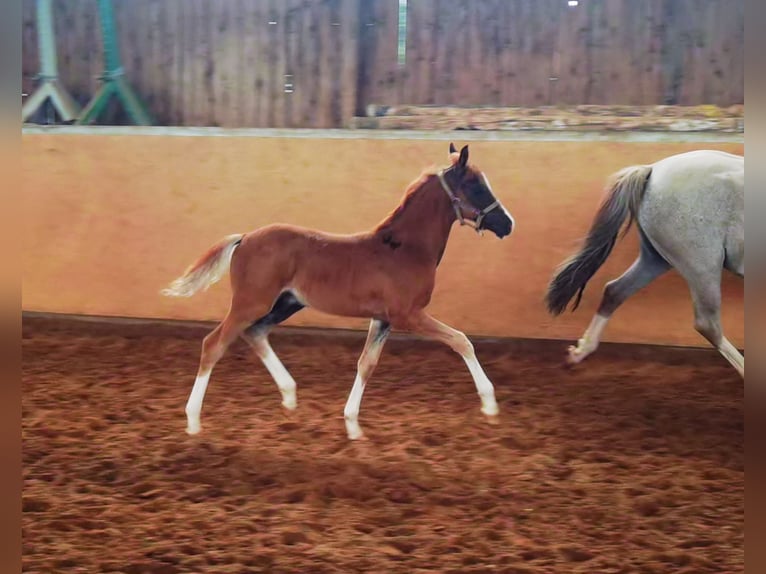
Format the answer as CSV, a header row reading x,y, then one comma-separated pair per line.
x,y
622,200
206,270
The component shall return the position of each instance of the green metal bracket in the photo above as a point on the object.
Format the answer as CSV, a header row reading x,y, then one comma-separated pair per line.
x,y
113,79
50,87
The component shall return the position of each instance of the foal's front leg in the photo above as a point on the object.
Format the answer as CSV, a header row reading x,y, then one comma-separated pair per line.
x,y
368,360
425,325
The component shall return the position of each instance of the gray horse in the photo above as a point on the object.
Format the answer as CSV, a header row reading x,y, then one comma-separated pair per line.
x,y
689,210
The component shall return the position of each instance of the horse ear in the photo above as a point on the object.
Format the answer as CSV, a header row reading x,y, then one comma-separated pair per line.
x,y
463,160
452,148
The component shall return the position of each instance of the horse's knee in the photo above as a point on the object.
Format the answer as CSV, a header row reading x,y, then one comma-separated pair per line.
x,y
611,298
210,347
462,345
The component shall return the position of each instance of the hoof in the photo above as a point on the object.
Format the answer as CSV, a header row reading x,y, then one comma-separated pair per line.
x,y
490,410
575,355
290,401
191,430
493,420
353,430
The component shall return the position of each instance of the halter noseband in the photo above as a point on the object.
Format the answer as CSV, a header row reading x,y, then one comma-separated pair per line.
x,y
457,205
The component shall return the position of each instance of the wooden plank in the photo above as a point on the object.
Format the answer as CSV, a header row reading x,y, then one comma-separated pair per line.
x,y
536,68
689,20
475,52
570,56
30,56
686,25
324,58
186,80
292,20
149,92
733,55
416,64
137,56
254,54
387,75
205,64
268,63
348,19
78,62
219,65
366,54
443,79
163,78
307,79
462,47
431,42
492,64
62,23
176,41
595,69
280,64
646,71
509,42
525,80
337,62
546,51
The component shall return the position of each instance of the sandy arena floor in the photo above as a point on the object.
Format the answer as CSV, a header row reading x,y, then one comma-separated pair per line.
x,y
632,462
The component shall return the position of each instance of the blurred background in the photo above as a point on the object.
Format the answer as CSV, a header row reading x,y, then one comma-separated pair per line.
x,y
336,63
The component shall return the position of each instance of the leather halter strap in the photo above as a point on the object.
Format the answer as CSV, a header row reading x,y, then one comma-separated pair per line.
x,y
458,204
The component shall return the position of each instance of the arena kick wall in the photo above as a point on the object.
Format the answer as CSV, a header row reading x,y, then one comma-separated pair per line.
x,y
112,215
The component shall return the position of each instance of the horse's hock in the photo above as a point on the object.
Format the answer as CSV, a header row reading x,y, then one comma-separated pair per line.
x,y
111,217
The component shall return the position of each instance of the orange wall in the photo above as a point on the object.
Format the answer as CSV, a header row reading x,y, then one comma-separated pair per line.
x,y
110,219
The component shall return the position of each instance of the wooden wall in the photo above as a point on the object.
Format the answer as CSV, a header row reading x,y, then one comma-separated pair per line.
x,y
315,63
524,53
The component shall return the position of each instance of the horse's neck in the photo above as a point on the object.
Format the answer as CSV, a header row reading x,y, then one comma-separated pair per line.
x,y
423,221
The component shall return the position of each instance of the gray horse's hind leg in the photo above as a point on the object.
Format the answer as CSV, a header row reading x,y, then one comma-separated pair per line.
x,y
646,268
705,287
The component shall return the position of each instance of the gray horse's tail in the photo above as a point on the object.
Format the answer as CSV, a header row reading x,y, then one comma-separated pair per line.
x,y
622,199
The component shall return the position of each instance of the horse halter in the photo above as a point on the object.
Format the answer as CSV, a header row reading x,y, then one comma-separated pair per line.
x,y
458,204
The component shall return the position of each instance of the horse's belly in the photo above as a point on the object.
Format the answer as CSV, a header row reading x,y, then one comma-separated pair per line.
x,y
342,296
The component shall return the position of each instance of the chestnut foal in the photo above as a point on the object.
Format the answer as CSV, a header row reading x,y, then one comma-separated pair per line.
x,y
387,274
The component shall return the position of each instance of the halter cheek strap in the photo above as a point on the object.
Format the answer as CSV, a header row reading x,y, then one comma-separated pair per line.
x,y
457,205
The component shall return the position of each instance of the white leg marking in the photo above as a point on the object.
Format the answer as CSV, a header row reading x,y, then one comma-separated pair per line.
x,y
589,341
483,386
281,376
351,411
458,342
732,355
376,337
194,404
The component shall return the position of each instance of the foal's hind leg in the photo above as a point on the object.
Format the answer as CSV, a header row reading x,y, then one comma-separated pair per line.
x,y
425,325
257,335
368,360
213,348
646,268
285,382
